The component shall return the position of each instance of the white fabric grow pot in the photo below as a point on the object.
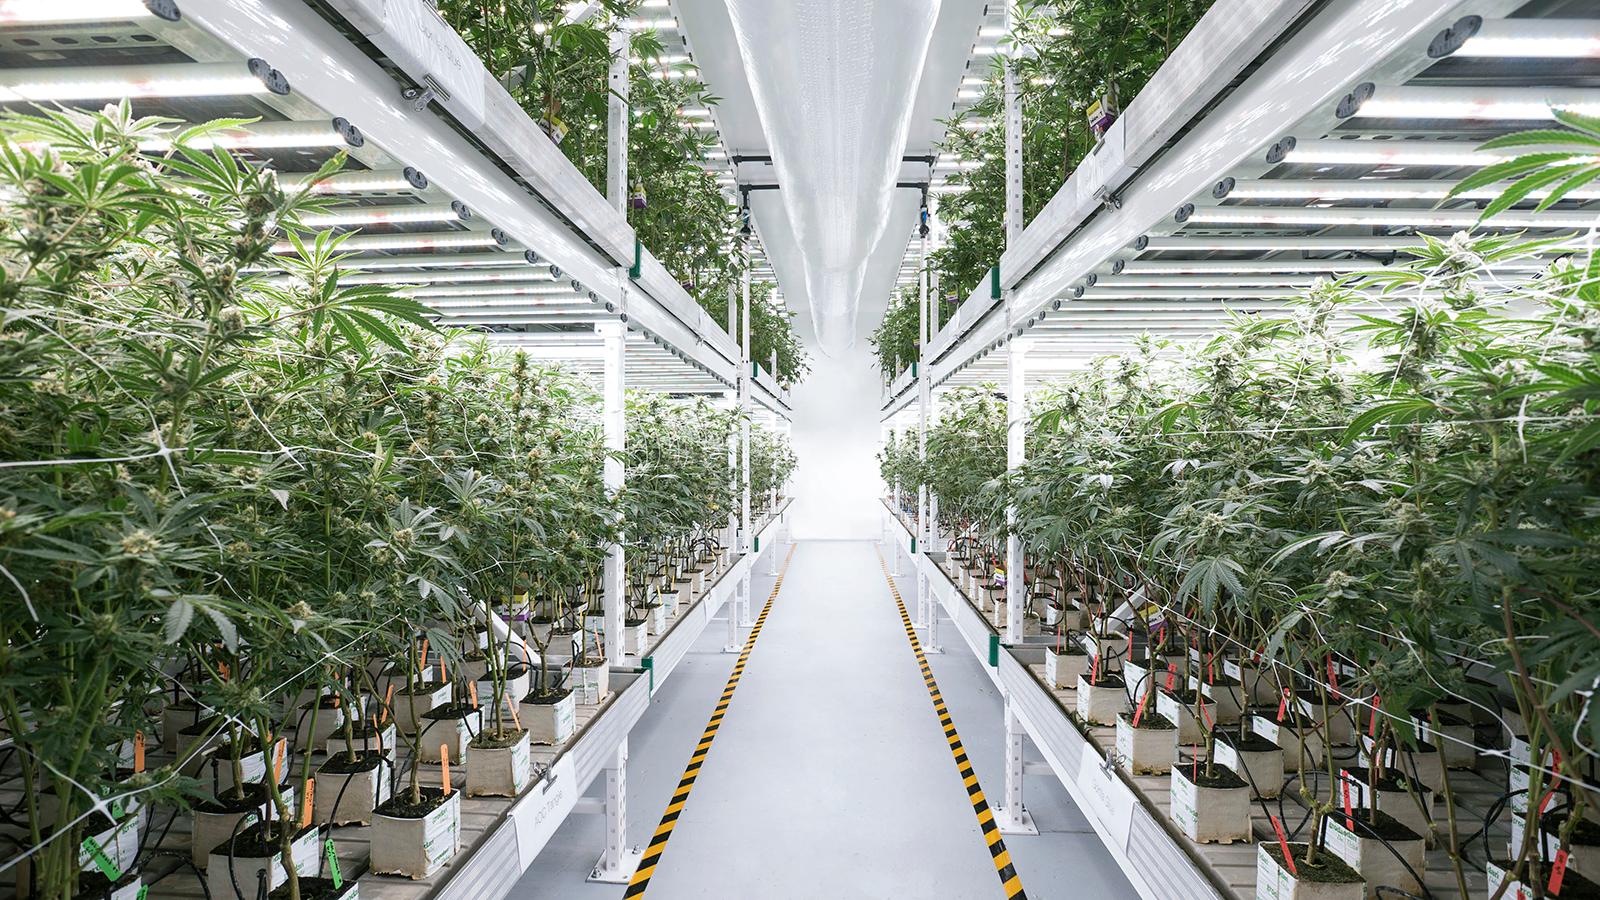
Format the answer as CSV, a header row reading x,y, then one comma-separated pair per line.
x,y
416,848
315,735
1100,704
305,855
409,710
500,772
1061,670
212,828
1375,862
1207,814
1274,882
549,723
386,740
1175,710
592,683
1263,768
1284,735
253,765
356,793
449,734
1149,751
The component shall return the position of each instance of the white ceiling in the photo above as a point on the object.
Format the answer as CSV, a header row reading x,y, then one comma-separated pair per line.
x,y
710,32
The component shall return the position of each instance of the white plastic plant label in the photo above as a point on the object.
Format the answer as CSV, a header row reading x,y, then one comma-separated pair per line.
x,y
1226,755
441,832
1185,805
1497,876
1125,742
1264,727
1051,666
1091,646
539,812
1232,670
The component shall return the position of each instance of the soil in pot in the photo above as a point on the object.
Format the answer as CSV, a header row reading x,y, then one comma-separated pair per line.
x,y
319,889
415,839
1149,747
1101,699
498,764
1585,852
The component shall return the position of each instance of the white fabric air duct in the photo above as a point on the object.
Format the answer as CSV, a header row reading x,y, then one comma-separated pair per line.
x,y
834,82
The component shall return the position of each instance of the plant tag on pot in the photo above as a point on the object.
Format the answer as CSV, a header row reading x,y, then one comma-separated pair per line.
x,y
93,852
1231,669
1263,726
334,871
521,765
1185,803
441,831
1271,879
1050,667
1169,707
1226,755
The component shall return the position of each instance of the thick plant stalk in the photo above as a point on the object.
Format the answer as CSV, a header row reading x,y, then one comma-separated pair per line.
x,y
1449,804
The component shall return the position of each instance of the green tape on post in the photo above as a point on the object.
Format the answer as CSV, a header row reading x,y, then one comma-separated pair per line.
x,y
994,282
994,651
636,271
649,665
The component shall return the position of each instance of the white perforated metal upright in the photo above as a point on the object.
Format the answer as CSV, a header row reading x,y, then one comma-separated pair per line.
x,y
746,376
925,335
1016,393
617,864
613,413
1013,816
617,123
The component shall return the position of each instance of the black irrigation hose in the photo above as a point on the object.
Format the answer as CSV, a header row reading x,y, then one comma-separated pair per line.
x,y
183,860
164,832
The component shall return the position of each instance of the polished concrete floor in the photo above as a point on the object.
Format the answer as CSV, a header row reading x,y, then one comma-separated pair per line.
x,y
830,776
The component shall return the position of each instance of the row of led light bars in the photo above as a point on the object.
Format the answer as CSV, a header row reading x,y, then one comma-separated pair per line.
x,y
1079,326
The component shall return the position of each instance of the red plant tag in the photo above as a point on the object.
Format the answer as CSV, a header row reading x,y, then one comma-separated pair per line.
x,y
1172,675
1558,871
1283,705
1283,844
1546,801
1373,728
1136,713
1349,814
1333,678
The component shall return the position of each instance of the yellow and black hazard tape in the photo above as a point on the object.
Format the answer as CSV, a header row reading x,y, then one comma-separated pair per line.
x,y
991,829
669,819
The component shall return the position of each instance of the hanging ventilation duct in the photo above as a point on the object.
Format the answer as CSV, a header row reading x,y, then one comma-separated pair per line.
x,y
834,82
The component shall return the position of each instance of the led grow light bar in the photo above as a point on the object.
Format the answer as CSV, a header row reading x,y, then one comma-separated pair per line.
x,y
1322,243
261,136
1514,103
371,243
373,180
112,82
399,214
540,290
1535,38
440,276
1396,153
1320,217
1371,189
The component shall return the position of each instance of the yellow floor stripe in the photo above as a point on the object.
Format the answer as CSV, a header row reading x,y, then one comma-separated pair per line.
x,y
991,832
669,819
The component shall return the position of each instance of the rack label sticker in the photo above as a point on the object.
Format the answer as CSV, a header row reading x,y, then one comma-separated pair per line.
x,y
428,48
441,832
538,814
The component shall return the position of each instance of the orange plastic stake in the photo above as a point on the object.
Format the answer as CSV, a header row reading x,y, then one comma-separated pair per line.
x,y
277,762
423,662
515,719
138,752
388,701
444,764
472,691
305,813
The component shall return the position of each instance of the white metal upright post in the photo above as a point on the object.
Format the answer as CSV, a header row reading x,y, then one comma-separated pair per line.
x,y
1014,818
746,376
617,123
614,334
1017,411
617,864
925,329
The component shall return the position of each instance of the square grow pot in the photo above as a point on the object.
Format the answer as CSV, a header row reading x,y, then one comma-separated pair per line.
x,y
410,709
97,886
194,741
1331,879
448,729
518,677
1228,696
550,717
329,718
251,854
1391,797
633,632
365,737
1259,760
1584,854
1458,736
1101,702
1423,762
414,840
1286,733
1361,842
498,766
1182,709
349,787
1151,747
215,818
1061,670
252,764
1258,684
342,888
107,844
1340,729
176,716
1213,808
655,617
591,680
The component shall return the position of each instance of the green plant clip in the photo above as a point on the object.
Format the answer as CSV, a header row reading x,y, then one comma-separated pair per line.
x,y
102,862
333,865
144,889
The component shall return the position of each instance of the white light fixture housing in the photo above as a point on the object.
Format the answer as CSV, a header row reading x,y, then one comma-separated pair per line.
x,y
1534,38
269,136
1431,102
76,83
38,12
372,243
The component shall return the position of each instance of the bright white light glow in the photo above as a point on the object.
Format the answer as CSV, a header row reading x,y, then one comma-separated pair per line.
x,y
259,136
375,242
1373,189
380,215
1476,103
109,82
508,291
349,182
1547,38
17,11
1415,218
1396,153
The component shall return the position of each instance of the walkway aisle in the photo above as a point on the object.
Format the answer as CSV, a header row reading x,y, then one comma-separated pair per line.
x,y
830,776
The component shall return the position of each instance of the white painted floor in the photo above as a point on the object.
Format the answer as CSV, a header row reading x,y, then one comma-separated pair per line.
x,y
830,776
